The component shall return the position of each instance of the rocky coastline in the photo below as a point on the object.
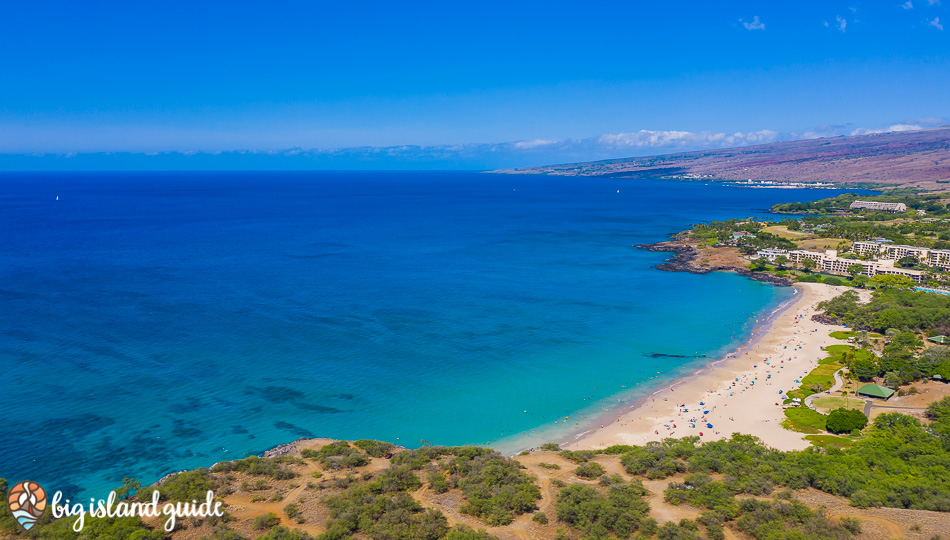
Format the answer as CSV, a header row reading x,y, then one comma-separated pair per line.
x,y
685,256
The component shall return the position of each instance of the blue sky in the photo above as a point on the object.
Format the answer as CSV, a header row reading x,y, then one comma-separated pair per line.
x,y
456,85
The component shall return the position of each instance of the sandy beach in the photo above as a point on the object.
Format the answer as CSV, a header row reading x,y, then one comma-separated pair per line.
x,y
738,394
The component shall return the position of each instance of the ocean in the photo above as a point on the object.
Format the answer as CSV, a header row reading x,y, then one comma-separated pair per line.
x,y
153,322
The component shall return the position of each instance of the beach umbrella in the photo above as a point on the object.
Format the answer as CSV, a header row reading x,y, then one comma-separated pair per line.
x,y
709,425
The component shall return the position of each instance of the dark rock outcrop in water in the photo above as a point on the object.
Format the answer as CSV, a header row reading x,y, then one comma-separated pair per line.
x,y
685,255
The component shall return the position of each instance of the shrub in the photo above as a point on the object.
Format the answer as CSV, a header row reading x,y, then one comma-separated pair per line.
x,y
376,449
551,446
589,470
283,533
464,532
553,466
833,281
266,521
292,510
579,456
540,517
495,487
339,455
621,511
258,466
183,486
845,421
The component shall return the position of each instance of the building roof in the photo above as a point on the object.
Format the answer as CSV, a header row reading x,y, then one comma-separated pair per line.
x,y
876,390
939,339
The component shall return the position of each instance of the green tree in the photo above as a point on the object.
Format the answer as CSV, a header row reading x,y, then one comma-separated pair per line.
x,y
884,281
809,264
855,269
781,261
759,264
907,262
845,421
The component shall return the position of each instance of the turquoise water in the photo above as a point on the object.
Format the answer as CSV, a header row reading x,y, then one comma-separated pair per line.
x,y
154,322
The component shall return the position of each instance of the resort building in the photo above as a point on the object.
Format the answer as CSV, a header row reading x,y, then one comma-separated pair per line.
x,y
939,258
772,253
830,263
873,205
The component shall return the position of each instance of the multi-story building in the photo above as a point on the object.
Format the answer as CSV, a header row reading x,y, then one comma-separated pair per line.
x,y
771,253
939,258
830,263
874,205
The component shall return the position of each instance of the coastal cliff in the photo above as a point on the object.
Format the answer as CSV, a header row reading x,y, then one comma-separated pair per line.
x,y
687,257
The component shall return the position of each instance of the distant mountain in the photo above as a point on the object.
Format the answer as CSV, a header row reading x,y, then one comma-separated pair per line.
x,y
908,158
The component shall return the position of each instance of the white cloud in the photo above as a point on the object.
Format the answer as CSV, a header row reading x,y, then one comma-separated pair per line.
x,y
534,144
678,139
936,23
908,5
890,129
933,2
842,23
755,24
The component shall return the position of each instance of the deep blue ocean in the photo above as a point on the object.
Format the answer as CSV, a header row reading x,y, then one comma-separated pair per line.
x,y
151,322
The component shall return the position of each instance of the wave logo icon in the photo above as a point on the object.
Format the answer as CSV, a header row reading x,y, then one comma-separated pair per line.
x,y
27,502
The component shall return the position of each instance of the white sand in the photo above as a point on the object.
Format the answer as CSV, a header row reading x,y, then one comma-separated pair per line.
x,y
740,394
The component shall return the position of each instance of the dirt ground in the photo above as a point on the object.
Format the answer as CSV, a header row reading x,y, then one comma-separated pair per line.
x,y
879,523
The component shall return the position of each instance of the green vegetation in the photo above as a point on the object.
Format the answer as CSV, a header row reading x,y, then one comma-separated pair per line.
x,y
338,455
258,466
930,203
464,532
658,459
804,420
183,486
266,521
589,470
375,449
621,512
845,421
902,315
277,533
831,403
829,442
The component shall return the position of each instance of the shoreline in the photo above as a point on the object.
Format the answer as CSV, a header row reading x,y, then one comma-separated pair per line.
x,y
757,332
788,338
606,410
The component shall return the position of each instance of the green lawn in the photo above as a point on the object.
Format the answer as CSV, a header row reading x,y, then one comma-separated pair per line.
x,y
838,349
804,420
831,403
842,334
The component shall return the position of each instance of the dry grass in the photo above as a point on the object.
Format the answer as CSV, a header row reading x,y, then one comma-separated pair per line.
x,y
822,243
782,231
